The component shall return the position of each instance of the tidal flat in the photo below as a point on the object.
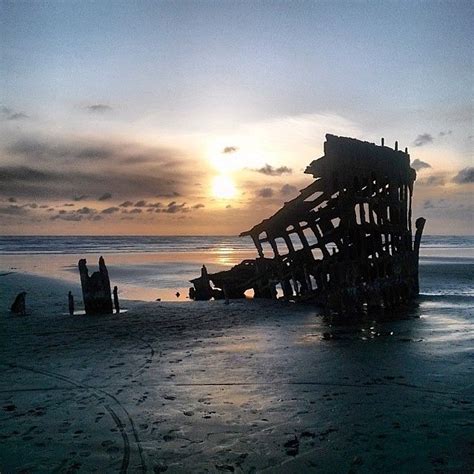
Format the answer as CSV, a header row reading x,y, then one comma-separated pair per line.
x,y
253,386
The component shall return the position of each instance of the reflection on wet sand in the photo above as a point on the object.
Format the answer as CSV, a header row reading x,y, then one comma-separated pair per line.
x,y
252,385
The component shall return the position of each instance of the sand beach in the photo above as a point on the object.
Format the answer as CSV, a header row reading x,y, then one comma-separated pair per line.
x,y
253,386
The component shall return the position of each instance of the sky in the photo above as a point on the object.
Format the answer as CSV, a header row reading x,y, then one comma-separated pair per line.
x,y
199,117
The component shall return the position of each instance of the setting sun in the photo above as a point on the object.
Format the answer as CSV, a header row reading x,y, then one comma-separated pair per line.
x,y
223,187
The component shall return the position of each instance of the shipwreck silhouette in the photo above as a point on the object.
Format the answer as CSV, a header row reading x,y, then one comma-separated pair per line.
x,y
346,242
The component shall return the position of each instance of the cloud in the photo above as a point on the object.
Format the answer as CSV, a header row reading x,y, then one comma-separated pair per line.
x,y
198,206
419,165
11,199
288,189
457,205
433,180
17,116
98,108
30,182
174,207
110,210
230,149
13,210
265,193
83,213
466,175
65,150
86,210
126,204
8,114
93,153
140,204
67,217
105,197
444,133
30,147
271,171
61,167
423,139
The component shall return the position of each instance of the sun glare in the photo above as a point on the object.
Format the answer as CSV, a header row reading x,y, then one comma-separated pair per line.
x,y
223,187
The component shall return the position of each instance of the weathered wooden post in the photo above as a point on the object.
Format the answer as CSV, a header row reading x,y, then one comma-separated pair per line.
x,y
96,288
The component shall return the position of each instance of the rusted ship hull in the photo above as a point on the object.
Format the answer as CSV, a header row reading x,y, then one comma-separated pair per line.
x,y
345,242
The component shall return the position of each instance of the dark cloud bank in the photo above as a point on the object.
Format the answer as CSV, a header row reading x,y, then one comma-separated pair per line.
x,y
67,168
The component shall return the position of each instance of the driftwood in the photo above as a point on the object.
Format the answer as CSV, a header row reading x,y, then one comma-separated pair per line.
x,y
70,299
345,242
96,289
116,300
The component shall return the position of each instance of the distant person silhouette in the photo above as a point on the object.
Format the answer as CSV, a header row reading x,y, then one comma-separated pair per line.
x,y
116,300
71,303
178,294
18,306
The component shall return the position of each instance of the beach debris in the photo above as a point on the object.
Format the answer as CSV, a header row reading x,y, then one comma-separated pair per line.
x,y
19,306
345,242
96,289
116,300
70,298
202,290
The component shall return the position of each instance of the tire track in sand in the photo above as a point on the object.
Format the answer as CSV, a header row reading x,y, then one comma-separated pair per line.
x,y
117,420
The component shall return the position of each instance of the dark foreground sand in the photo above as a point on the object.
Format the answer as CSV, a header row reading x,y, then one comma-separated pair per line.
x,y
253,386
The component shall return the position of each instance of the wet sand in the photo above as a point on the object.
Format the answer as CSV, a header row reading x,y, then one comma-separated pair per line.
x,y
140,276
254,386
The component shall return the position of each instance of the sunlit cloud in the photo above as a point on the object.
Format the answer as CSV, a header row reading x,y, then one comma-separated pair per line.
x,y
272,171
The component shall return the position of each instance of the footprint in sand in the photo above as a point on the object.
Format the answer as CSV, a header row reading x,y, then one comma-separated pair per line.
x,y
113,450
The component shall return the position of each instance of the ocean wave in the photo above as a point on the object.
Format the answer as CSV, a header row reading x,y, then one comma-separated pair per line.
x,y
45,245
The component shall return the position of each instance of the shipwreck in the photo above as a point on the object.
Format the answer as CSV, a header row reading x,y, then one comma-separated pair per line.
x,y
345,242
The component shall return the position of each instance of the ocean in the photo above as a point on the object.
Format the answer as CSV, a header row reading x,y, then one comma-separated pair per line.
x,y
158,267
